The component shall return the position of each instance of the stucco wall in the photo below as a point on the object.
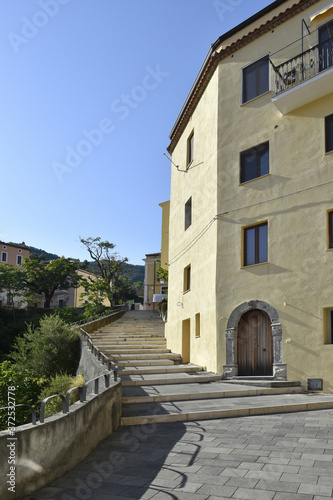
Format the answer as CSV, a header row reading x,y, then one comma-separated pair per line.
x,y
200,183
296,280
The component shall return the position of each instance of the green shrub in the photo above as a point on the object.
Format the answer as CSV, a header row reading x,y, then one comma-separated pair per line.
x,y
27,391
60,384
52,348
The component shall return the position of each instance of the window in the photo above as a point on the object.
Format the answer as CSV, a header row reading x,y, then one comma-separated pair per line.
x,y
254,162
188,213
328,325
19,260
330,229
3,256
190,146
187,278
197,325
255,244
329,133
255,79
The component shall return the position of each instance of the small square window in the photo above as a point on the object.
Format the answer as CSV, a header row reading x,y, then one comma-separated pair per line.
x,y
3,256
255,79
329,133
188,213
187,279
255,244
190,149
254,162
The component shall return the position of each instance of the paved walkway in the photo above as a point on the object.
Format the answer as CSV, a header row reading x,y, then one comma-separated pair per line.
x,y
260,452
274,457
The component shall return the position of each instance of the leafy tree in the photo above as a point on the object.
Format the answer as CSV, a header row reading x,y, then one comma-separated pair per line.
x,y
126,290
11,281
110,265
51,348
162,273
44,278
95,293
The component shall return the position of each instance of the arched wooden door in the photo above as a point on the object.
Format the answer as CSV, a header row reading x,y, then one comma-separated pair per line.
x,y
254,344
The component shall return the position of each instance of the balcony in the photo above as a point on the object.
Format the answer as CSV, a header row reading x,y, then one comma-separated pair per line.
x,y
304,78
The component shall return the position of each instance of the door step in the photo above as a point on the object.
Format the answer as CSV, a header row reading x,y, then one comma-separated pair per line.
x,y
263,382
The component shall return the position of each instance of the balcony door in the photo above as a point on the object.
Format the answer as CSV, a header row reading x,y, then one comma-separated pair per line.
x,y
326,46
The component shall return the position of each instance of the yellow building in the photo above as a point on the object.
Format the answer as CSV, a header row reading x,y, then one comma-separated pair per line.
x,y
165,234
153,288
251,209
74,297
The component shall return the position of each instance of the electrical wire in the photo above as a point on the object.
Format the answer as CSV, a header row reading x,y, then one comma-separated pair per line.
x,y
218,216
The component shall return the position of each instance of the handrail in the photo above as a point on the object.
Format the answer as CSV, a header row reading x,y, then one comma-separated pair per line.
x,y
32,409
42,408
65,399
303,66
98,353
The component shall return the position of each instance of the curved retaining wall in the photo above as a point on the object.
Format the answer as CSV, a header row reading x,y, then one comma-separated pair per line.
x,y
44,452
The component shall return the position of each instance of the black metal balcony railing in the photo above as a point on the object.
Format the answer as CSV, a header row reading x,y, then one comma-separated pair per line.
x,y
303,66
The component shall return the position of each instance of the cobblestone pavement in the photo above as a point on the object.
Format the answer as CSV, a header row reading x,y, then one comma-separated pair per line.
x,y
285,456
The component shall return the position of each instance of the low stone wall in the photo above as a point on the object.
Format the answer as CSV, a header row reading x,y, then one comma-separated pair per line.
x,y
44,452
41,453
98,323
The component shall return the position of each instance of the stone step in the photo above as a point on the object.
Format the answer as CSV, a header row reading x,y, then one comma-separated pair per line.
x,y
183,392
188,369
144,362
134,350
169,377
131,342
144,356
182,411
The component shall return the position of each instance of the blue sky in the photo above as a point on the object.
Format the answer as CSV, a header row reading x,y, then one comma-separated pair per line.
x,y
90,90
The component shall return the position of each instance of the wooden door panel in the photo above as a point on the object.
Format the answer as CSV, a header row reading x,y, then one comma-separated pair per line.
x,y
254,344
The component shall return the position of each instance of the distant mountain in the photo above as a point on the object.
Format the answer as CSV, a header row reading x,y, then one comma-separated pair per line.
x,y
48,255
133,272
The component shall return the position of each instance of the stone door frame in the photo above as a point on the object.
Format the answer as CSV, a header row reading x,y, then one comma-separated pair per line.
x,y
230,369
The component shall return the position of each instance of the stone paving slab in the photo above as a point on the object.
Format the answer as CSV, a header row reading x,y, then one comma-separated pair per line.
x,y
180,411
214,389
207,460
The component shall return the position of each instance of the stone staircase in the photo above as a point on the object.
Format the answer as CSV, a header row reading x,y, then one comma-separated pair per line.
x,y
158,387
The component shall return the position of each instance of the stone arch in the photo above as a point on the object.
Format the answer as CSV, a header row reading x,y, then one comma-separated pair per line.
x,y
230,369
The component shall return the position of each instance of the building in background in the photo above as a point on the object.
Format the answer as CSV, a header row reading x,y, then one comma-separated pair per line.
x,y
152,284
251,208
13,255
